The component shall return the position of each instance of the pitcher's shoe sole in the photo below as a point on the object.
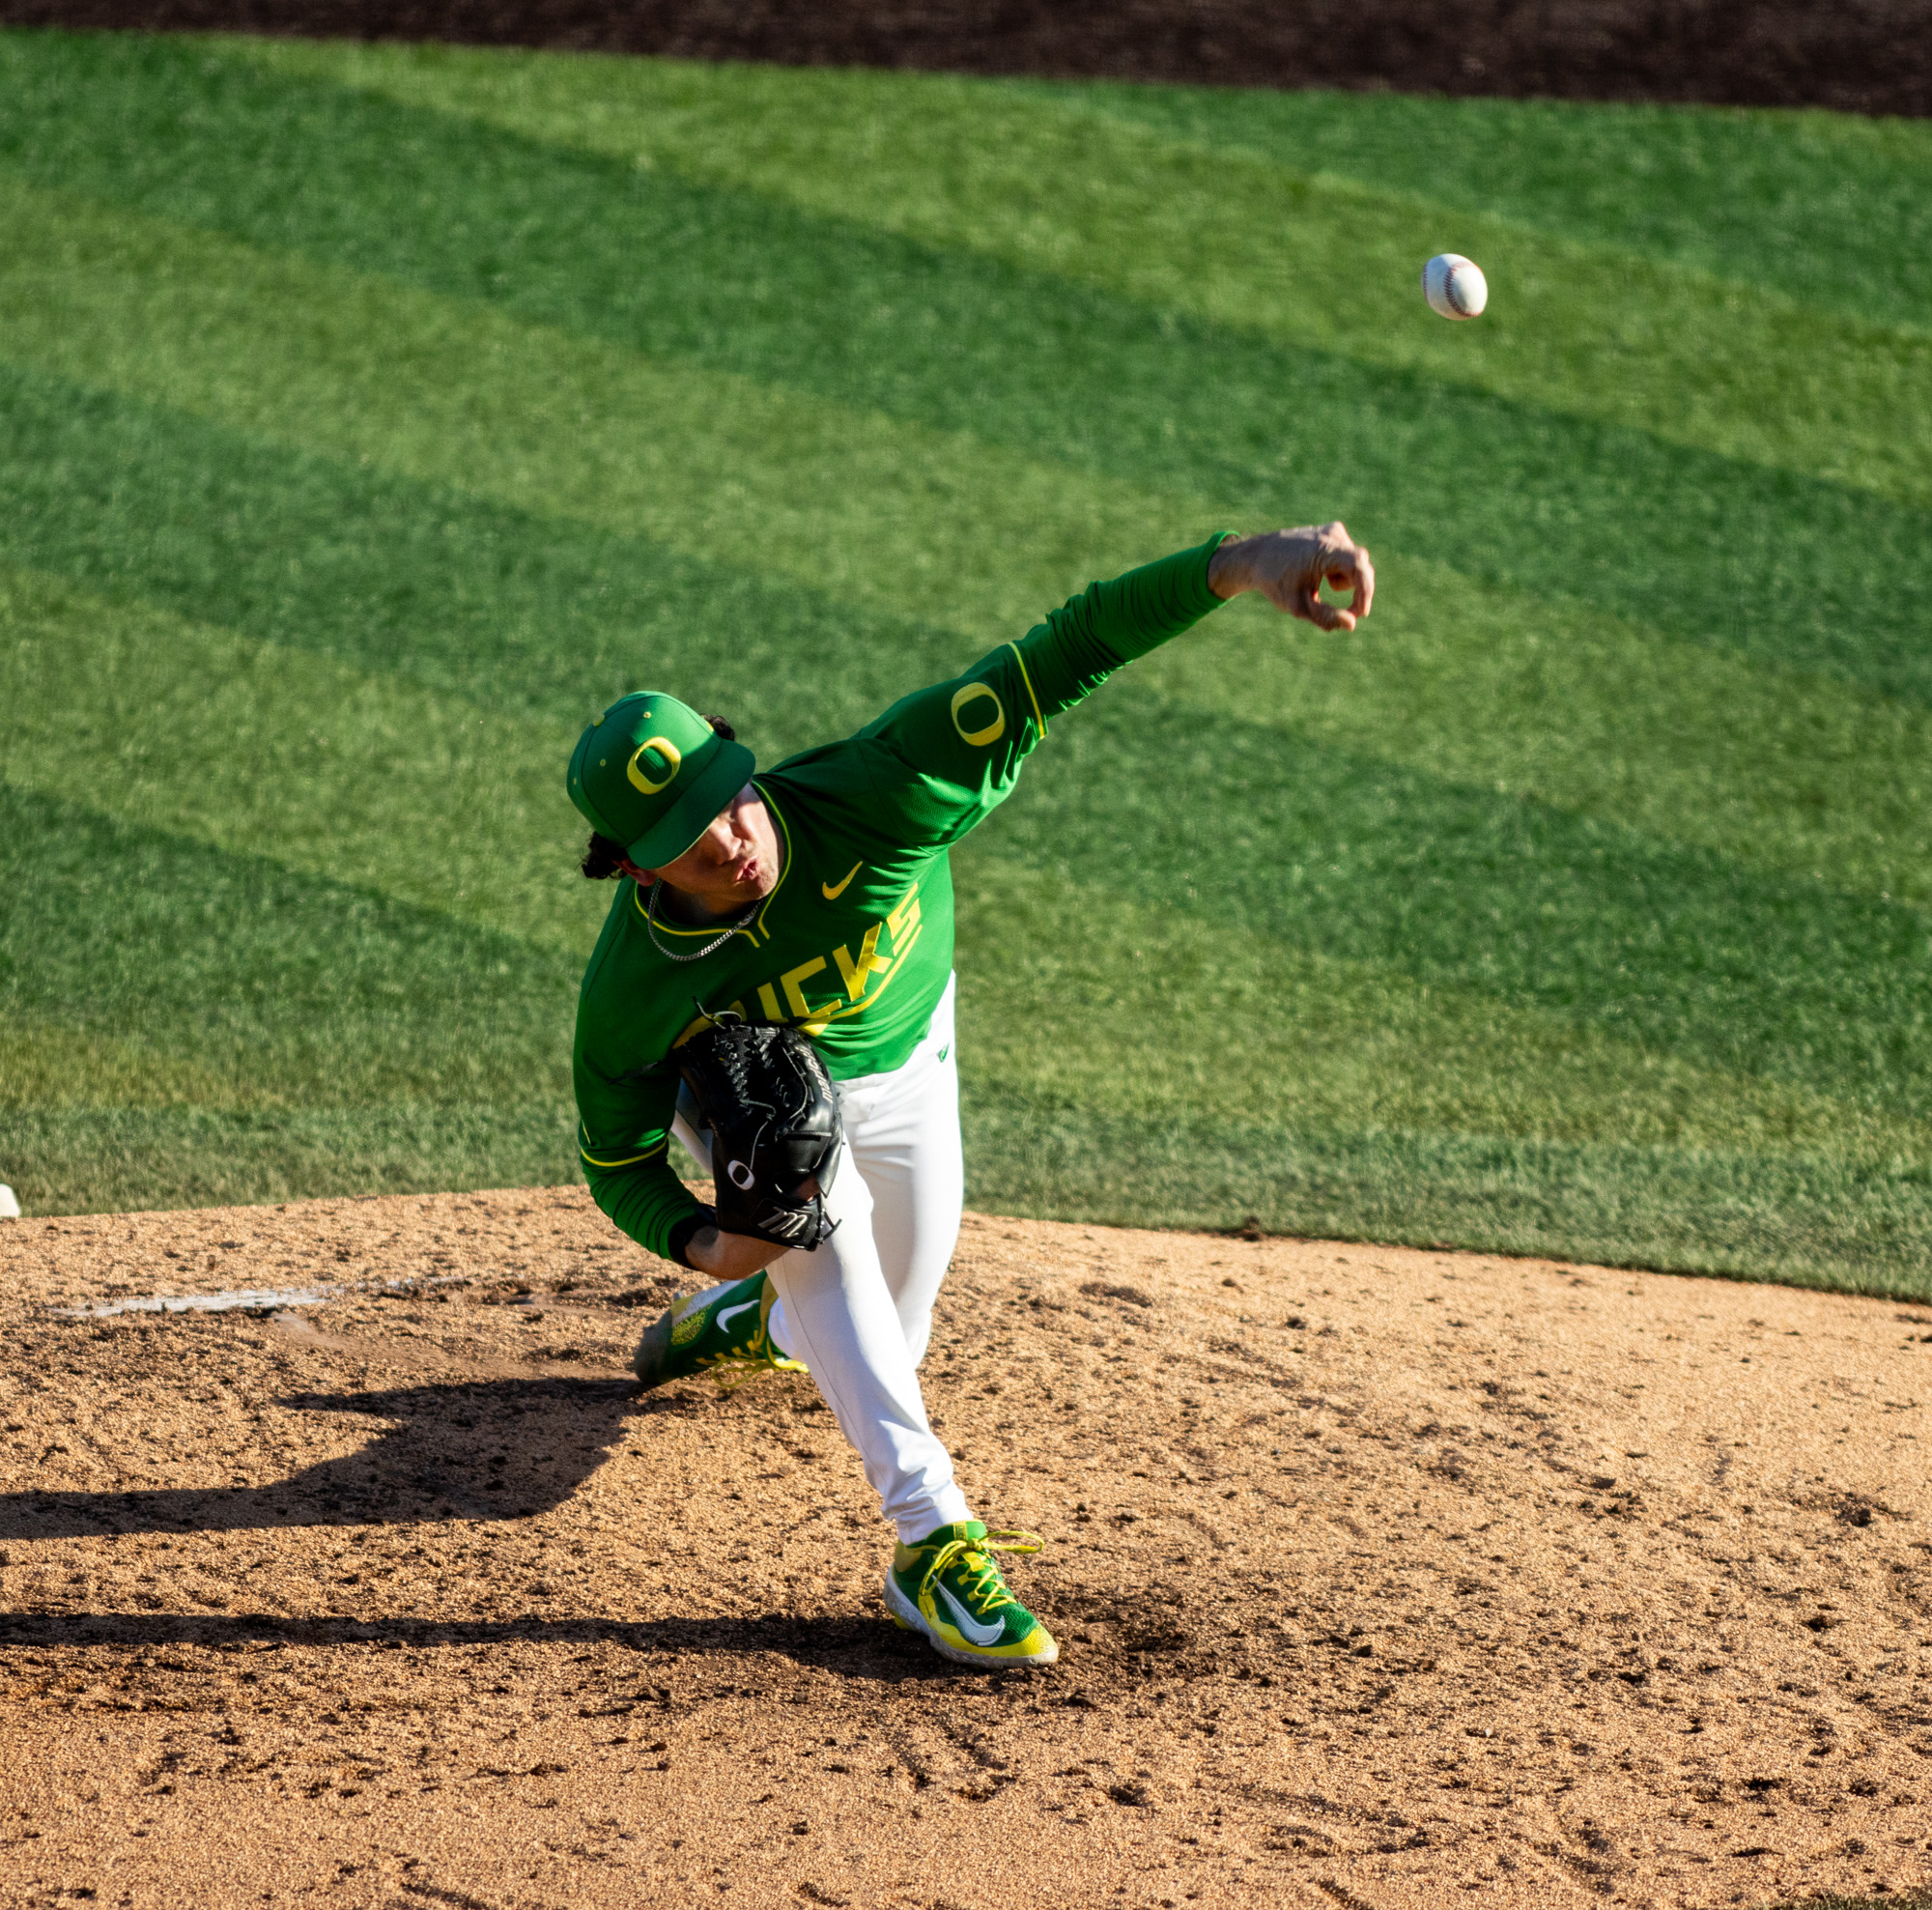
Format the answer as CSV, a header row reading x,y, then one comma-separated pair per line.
x,y
653,1349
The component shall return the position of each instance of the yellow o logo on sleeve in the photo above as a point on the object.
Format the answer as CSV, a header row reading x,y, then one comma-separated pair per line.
x,y
990,732
668,758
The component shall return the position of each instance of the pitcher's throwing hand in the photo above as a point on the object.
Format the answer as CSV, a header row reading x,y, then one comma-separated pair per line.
x,y
1288,568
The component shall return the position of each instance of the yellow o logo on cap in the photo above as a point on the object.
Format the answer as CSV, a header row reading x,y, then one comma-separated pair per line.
x,y
994,729
667,756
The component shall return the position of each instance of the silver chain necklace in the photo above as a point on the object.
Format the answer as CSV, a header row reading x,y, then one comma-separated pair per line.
x,y
717,941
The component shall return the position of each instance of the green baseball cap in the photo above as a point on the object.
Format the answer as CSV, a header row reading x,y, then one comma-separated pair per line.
x,y
651,774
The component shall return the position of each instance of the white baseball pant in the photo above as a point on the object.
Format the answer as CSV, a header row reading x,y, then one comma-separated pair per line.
x,y
858,1310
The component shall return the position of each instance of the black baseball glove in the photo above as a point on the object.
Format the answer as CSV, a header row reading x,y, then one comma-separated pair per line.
x,y
773,1113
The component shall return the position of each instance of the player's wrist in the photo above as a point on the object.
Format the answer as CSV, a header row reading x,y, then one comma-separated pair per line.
x,y
720,1255
695,1233
1229,572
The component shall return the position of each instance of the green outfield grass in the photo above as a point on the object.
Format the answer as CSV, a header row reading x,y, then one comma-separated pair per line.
x,y
369,417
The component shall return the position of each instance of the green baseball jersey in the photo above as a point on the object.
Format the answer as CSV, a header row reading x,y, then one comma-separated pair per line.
x,y
854,944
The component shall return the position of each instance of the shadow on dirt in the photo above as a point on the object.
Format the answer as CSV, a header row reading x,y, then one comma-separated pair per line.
x,y
862,1645
484,1449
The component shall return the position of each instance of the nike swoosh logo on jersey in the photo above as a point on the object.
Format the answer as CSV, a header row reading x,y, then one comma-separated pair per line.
x,y
969,1627
730,1312
832,891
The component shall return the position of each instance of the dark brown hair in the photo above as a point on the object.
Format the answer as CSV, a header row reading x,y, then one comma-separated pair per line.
x,y
601,855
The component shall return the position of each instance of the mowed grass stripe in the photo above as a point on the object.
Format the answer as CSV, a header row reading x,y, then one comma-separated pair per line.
x,y
1591,715
376,417
104,1159
355,775
54,1066
1275,1164
1582,936
1241,825
1834,209
1325,1042
1820,1223
532,615
1501,881
1611,336
448,392
1575,709
1059,372
301,762
284,988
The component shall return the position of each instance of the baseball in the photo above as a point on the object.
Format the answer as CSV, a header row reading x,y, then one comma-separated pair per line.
x,y
1454,286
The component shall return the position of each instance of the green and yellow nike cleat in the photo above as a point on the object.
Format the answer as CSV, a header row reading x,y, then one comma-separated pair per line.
x,y
724,1330
949,1588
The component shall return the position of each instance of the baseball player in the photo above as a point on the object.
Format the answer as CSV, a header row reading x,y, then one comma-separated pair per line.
x,y
817,896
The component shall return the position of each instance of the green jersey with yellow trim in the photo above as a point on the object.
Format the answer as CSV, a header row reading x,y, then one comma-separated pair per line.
x,y
854,944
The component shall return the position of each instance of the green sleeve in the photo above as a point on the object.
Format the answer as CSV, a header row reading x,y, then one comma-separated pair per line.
x,y
960,744
623,1139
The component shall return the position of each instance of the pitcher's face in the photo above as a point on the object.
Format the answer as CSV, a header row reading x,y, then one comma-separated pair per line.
x,y
735,862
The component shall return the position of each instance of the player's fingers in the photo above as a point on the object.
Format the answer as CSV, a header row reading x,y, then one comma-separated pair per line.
x,y
1345,565
1353,582
1308,605
1365,583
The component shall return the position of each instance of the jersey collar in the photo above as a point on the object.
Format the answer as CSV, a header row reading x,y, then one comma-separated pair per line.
x,y
785,867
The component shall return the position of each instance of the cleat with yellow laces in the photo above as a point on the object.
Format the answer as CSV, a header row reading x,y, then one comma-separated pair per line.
x,y
724,1330
949,1588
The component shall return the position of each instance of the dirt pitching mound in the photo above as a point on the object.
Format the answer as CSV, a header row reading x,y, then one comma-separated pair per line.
x,y
1380,1576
